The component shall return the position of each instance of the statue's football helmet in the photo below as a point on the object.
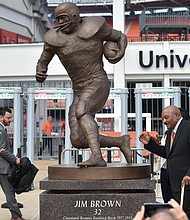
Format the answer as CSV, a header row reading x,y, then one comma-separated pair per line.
x,y
67,15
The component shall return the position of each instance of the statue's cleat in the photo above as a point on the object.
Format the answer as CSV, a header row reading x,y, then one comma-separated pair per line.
x,y
125,148
93,162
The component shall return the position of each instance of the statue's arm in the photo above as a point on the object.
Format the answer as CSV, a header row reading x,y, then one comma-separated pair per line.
x,y
119,38
122,44
42,65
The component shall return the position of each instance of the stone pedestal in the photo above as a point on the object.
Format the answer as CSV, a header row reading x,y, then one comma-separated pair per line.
x,y
69,198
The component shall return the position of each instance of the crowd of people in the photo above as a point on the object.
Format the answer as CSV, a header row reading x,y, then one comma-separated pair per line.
x,y
177,155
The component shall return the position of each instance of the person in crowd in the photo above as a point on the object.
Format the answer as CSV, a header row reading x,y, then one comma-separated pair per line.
x,y
176,151
46,135
174,213
6,159
79,43
165,185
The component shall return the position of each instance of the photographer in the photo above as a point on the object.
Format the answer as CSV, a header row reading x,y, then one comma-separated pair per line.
x,y
175,213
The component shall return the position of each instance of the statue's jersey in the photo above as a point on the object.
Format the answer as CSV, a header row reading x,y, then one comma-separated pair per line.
x,y
81,52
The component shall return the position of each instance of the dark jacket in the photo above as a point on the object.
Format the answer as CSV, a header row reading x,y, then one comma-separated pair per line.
x,y
6,158
22,176
178,159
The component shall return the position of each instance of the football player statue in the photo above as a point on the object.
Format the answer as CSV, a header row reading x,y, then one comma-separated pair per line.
x,y
78,42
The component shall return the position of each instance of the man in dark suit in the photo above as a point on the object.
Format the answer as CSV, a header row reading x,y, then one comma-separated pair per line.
x,y
177,153
6,159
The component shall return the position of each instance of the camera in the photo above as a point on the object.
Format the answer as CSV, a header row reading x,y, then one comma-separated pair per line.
x,y
152,208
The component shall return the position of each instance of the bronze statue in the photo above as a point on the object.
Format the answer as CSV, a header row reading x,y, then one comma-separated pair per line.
x,y
78,42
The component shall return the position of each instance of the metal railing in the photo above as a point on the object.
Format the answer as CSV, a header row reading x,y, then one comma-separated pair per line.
x,y
158,16
81,2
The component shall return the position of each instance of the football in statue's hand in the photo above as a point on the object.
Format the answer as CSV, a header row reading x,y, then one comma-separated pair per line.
x,y
109,49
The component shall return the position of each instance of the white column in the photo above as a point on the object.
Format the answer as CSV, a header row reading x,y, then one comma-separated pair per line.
x,y
119,68
119,24
17,122
30,124
166,85
166,76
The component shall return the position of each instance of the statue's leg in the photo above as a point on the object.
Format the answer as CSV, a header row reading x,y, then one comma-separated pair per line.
x,y
92,100
90,130
76,135
123,142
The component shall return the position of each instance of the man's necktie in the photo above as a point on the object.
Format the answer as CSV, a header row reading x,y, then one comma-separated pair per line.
x,y
172,139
